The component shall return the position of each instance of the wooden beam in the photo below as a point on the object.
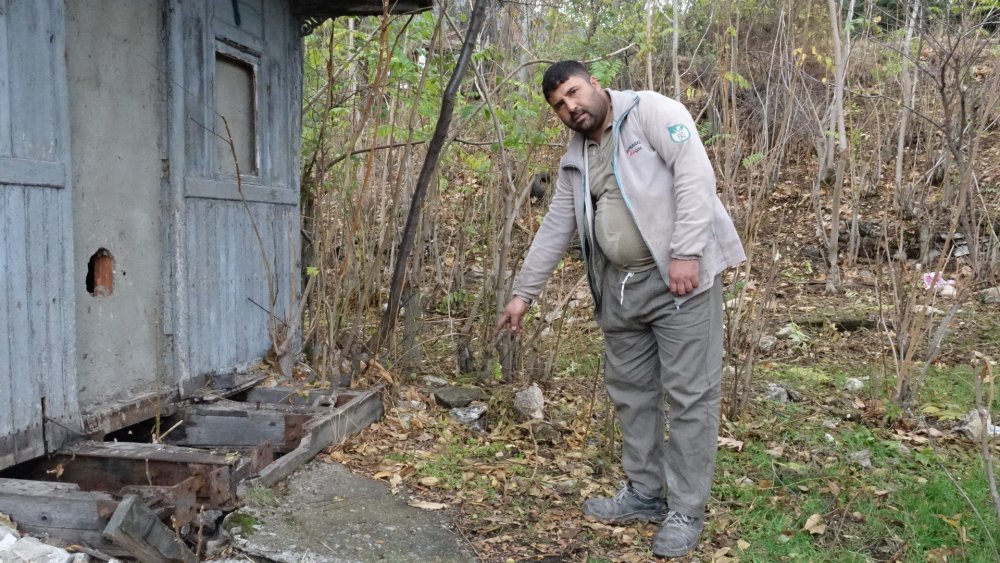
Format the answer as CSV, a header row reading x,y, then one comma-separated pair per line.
x,y
229,423
291,396
61,510
112,466
120,415
322,432
136,528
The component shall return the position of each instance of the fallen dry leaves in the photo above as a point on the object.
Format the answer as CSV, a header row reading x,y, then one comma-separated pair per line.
x,y
512,494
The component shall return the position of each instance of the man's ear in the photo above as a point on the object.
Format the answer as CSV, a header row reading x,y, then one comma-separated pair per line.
x,y
594,82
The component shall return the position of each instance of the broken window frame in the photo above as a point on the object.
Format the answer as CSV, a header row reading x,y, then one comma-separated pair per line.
x,y
251,59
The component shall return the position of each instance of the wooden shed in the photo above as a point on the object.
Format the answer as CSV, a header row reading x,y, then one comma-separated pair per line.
x,y
130,271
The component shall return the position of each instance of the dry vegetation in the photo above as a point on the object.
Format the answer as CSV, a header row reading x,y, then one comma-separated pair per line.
x,y
851,155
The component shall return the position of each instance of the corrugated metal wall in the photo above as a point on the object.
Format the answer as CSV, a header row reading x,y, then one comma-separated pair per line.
x,y
37,379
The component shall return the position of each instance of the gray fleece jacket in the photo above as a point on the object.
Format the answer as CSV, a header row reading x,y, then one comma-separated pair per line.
x,y
667,183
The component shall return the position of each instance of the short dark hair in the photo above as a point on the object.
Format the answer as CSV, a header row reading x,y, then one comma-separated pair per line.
x,y
560,72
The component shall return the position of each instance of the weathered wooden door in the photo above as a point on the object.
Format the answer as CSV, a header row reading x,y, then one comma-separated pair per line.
x,y
38,391
242,61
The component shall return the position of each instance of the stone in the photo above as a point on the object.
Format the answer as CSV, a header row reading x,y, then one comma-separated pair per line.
x,y
31,550
542,431
862,458
470,415
433,381
990,296
7,539
946,291
973,428
927,310
776,392
793,394
854,385
530,402
785,331
767,343
458,397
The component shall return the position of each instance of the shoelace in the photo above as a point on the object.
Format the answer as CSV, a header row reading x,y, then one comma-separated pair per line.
x,y
674,517
624,492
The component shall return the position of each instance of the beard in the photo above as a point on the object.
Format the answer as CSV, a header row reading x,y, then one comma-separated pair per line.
x,y
588,124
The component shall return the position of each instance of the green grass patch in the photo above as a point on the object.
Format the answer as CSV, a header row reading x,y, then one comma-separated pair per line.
x,y
239,523
913,500
451,466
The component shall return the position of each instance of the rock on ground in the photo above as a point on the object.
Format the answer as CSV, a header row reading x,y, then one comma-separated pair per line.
x,y
530,402
458,397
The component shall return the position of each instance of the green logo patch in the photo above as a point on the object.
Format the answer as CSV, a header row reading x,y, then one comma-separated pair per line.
x,y
679,133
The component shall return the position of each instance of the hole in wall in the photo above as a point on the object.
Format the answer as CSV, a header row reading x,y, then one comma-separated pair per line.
x,y
100,273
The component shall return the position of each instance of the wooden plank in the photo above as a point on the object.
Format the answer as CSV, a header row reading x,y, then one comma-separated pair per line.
x,y
213,254
5,148
41,504
227,268
39,173
229,423
59,381
175,264
143,452
33,127
291,396
26,400
247,313
135,527
194,286
6,366
321,433
251,26
113,466
197,78
38,294
119,415
227,190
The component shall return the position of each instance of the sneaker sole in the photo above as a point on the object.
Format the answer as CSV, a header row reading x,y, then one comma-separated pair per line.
x,y
673,554
641,516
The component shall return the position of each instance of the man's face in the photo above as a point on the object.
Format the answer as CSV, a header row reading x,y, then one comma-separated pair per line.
x,y
581,104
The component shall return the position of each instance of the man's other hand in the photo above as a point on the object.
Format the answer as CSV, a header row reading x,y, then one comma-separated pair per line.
x,y
683,276
512,317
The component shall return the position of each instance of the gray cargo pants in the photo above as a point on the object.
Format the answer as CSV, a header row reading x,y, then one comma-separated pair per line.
x,y
655,348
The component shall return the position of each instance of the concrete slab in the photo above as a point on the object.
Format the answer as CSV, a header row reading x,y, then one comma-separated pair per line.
x,y
330,515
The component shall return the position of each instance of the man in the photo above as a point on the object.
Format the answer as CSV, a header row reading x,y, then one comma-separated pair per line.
x,y
637,186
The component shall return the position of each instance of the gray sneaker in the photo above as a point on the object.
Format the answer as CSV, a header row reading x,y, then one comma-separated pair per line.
x,y
678,536
626,506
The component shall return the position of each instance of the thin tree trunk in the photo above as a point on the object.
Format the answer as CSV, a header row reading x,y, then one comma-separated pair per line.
x,y
476,21
650,6
908,87
841,50
674,45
